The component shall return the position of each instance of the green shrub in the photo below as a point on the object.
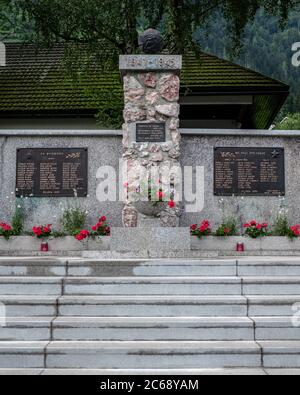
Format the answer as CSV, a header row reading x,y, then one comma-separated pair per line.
x,y
73,220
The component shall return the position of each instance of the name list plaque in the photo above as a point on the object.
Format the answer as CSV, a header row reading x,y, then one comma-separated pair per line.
x,y
249,172
52,172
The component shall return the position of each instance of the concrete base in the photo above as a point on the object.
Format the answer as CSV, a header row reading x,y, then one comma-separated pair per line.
x,y
150,239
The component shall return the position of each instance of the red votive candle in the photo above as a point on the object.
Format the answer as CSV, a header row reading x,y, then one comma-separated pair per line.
x,y
240,247
44,247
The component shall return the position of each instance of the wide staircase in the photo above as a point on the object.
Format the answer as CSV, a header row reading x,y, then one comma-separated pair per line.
x,y
149,316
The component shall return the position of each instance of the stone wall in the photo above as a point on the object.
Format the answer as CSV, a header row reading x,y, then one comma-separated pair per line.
x,y
105,148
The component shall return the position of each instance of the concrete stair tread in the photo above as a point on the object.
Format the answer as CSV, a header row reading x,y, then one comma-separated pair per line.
x,y
153,299
23,346
153,262
153,280
280,347
271,280
31,322
201,322
24,299
153,372
155,346
273,322
30,280
270,299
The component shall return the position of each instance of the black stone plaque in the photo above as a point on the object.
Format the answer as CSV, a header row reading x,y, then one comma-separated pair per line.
x,y
150,132
249,172
52,172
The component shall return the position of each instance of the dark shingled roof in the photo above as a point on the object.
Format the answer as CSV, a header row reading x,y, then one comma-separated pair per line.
x,y
34,82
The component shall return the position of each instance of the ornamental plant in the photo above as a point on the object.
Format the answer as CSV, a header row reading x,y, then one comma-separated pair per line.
x,y
6,231
227,228
42,232
73,220
256,230
82,235
294,232
203,229
101,228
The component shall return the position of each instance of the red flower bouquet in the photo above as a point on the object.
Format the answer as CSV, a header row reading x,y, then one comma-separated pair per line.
x,y
203,230
101,228
42,232
6,231
256,230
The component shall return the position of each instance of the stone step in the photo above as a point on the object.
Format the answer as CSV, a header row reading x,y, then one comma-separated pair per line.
x,y
152,329
268,266
33,266
26,329
153,306
148,372
29,306
276,328
24,355
152,355
152,286
280,354
138,267
273,305
271,285
30,286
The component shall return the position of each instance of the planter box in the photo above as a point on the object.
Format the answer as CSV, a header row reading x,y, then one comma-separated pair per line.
x,y
265,245
26,244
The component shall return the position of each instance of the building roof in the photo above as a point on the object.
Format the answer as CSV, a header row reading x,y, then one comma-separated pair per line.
x,y
35,83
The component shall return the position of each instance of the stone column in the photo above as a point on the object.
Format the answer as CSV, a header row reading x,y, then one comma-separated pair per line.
x,y
151,138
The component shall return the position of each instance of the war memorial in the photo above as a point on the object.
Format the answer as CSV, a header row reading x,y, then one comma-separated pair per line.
x,y
178,263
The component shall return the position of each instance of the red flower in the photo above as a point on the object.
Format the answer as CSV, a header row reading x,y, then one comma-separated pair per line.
x,y
246,225
160,195
79,237
226,231
103,219
259,227
6,228
194,228
265,225
253,223
95,228
171,204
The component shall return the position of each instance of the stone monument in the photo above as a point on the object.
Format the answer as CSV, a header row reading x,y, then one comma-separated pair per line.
x,y
151,138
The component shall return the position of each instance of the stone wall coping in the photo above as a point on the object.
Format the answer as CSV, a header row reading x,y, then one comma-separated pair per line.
x,y
118,133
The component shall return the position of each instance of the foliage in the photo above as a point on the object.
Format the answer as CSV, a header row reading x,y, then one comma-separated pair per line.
x,y
256,230
283,228
266,48
73,220
203,230
100,30
290,122
227,228
17,222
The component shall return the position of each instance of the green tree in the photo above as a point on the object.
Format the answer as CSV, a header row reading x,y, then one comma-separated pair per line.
x,y
113,26
290,122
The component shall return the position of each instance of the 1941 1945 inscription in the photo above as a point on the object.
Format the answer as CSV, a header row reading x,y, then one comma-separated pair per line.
x,y
52,172
249,172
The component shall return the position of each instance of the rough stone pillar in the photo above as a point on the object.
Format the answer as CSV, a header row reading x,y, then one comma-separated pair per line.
x,y
151,138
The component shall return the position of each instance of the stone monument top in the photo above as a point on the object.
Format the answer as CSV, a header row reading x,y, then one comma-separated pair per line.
x,y
151,41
